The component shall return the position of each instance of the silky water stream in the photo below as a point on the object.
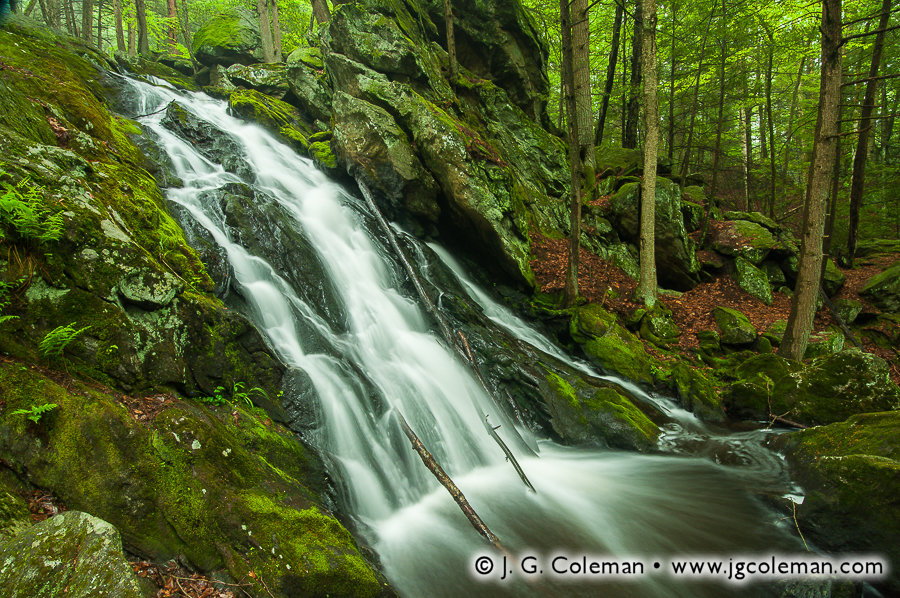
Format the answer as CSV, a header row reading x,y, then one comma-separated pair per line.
x,y
357,336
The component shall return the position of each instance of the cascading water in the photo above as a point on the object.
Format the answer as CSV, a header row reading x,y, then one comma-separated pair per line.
x,y
372,354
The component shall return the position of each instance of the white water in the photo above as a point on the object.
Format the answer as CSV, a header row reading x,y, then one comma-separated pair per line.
x,y
600,502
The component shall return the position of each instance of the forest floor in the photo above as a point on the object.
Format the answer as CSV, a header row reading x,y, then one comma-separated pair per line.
x,y
692,310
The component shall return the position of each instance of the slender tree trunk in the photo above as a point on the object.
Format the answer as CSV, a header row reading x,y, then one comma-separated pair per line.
x,y
172,25
70,17
276,30
132,41
610,75
771,122
120,32
670,145
833,194
686,159
143,35
30,8
623,116
560,118
451,43
634,93
87,21
185,27
745,156
714,187
791,117
646,289
100,25
575,171
858,179
803,304
50,12
581,74
320,11
265,31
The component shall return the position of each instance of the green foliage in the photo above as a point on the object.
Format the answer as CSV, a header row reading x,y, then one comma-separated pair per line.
x,y
23,215
5,288
239,393
55,341
35,412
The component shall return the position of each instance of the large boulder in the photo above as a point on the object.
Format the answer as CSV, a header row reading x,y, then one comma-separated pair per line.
x,y
270,79
207,140
734,327
744,238
230,37
830,389
610,345
308,83
677,265
753,280
884,289
71,555
850,475
368,140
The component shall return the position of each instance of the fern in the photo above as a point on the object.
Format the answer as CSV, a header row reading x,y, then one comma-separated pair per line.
x,y
36,412
55,341
24,216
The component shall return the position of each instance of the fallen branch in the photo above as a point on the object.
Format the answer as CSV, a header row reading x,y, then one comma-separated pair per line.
x,y
461,346
435,468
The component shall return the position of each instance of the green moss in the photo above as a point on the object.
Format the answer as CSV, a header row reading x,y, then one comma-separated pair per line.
x,y
279,117
563,389
321,152
697,392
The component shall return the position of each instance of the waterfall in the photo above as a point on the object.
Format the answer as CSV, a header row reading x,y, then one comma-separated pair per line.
x,y
373,354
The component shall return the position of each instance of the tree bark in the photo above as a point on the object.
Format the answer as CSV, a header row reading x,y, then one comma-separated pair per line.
x,y
69,10
803,304
581,73
629,139
451,44
713,193
646,289
265,31
576,173
791,117
120,32
87,21
320,11
858,179
143,36
610,74
276,30
172,25
670,145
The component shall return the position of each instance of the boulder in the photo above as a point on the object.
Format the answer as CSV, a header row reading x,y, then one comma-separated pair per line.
x,y
308,83
884,289
368,140
753,280
278,117
850,475
230,37
848,309
610,345
832,388
743,238
823,343
676,260
833,279
71,555
697,393
270,79
207,140
734,327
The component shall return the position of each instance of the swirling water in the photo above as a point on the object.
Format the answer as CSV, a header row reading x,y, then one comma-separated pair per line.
x,y
377,355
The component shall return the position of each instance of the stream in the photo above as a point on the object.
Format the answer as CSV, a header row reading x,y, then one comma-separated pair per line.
x,y
342,316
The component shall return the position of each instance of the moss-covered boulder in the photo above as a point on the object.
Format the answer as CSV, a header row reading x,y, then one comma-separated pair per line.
x,y
587,413
676,258
270,79
833,279
614,161
824,342
308,83
221,488
752,279
610,345
830,389
850,474
658,327
697,393
848,309
141,67
372,145
229,37
279,117
71,555
734,327
884,289
745,238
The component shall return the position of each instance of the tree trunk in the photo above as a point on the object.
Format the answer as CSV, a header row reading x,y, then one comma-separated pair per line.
x,y
686,159
858,179
120,32
670,145
770,120
803,304
575,171
646,289
320,11
451,44
172,25
87,21
581,74
713,193
30,8
833,194
143,36
276,30
629,140
70,18
100,25
610,75
186,28
265,31
791,117
745,156
132,41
